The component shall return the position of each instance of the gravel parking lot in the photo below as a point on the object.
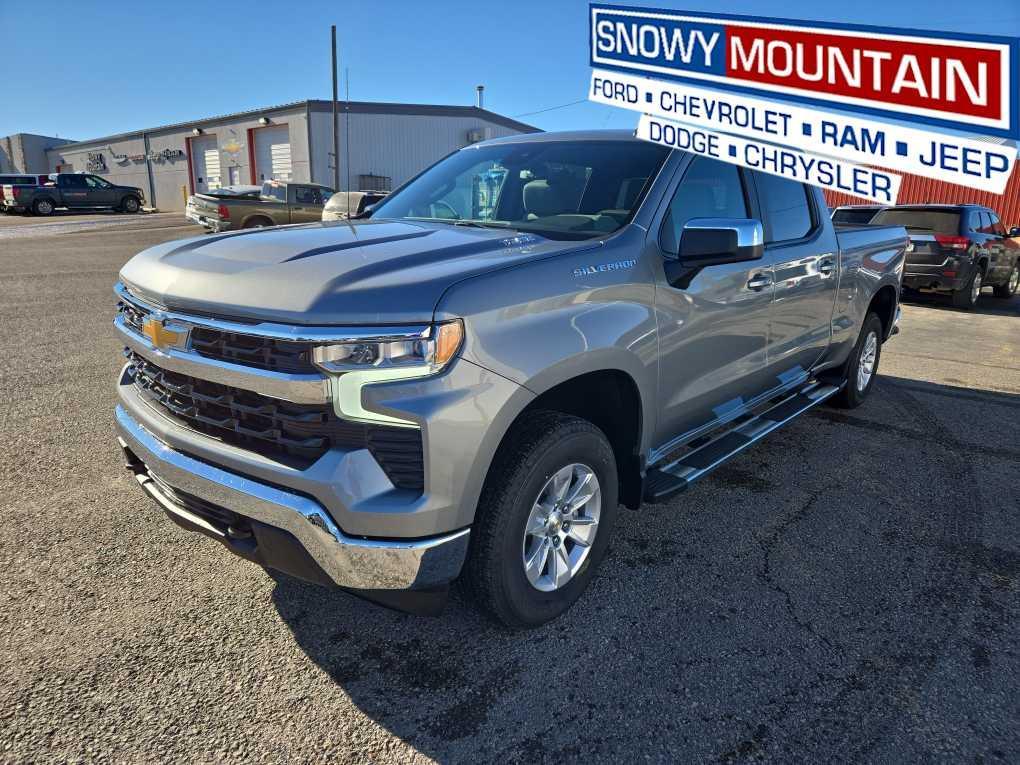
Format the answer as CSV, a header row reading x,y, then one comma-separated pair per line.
x,y
845,590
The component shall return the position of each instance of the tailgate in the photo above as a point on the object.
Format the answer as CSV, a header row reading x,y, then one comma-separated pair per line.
x,y
924,249
203,205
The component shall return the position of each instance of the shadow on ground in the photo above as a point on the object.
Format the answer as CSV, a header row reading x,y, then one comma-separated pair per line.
x,y
798,604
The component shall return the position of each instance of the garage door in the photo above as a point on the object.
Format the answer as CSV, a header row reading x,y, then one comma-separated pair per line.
x,y
272,154
205,163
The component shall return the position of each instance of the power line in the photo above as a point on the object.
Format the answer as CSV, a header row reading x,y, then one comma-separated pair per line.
x,y
552,108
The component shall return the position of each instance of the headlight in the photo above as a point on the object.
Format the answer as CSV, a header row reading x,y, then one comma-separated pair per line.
x,y
357,363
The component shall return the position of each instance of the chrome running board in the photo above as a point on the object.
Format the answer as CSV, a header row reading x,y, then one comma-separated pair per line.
x,y
707,453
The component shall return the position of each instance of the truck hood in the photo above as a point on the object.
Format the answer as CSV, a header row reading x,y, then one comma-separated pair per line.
x,y
370,272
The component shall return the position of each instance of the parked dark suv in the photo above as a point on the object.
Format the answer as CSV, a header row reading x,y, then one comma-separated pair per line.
x,y
956,249
855,215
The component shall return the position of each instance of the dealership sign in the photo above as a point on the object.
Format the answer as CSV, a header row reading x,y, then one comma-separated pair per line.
x,y
969,161
964,82
804,167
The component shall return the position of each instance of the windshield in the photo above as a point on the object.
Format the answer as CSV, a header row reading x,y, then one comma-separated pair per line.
x,y
275,191
559,189
939,221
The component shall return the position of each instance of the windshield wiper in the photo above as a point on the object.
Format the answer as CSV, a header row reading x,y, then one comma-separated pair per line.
x,y
481,223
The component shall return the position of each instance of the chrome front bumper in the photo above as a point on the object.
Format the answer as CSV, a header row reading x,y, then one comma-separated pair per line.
x,y
367,564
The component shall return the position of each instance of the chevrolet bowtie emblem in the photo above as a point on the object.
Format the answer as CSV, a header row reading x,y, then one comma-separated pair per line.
x,y
161,337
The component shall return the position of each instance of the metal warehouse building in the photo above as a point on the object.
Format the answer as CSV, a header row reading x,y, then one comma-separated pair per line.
x,y
385,143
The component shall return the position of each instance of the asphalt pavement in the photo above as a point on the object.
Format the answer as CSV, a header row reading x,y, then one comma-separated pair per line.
x,y
846,590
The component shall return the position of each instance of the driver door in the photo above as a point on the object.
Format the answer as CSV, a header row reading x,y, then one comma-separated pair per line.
x,y
100,192
306,203
713,331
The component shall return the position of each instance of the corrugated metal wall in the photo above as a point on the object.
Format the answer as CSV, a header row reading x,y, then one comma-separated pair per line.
x,y
917,189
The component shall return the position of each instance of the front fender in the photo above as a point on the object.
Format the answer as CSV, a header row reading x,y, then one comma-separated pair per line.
x,y
545,322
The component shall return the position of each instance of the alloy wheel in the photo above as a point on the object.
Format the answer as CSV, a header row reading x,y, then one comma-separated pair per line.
x,y
561,527
866,366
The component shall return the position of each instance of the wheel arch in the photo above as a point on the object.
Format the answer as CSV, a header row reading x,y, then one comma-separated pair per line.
x,y
611,400
884,303
250,220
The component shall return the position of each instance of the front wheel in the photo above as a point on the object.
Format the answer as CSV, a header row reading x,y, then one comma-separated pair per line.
x,y
862,367
43,207
130,205
544,519
1009,289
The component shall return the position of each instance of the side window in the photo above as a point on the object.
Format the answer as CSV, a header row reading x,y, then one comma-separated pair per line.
x,y
709,189
996,225
96,183
73,181
974,221
307,195
785,207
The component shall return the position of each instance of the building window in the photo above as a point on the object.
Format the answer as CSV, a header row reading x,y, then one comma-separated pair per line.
x,y
375,183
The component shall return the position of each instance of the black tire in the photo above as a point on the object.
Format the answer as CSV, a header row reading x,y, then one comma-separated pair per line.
x,y
131,204
257,222
966,297
43,207
535,448
852,395
1009,287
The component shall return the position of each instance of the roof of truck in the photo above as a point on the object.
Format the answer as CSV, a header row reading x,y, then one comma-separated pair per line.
x,y
565,135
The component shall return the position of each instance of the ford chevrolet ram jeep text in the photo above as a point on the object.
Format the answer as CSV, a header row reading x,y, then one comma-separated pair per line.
x,y
471,381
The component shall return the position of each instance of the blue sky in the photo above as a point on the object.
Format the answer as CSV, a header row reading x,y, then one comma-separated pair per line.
x,y
89,68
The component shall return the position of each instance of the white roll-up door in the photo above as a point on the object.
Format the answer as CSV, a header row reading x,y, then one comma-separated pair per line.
x,y
212,168
205,163
272,153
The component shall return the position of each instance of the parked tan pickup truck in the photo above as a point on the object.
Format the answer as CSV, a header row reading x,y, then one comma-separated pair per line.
x,y
278,203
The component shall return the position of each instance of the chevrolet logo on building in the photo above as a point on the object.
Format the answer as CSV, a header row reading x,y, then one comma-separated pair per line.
x,y
162,337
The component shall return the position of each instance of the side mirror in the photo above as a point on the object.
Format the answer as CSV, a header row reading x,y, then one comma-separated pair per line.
x,y
1015,231
366,213
714,241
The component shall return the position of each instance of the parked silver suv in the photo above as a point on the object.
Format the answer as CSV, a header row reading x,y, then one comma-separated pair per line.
x,y
469,383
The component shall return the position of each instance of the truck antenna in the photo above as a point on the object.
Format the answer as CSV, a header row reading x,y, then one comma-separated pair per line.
x,y
347,136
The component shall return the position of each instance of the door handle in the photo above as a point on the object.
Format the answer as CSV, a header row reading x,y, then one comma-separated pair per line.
x,y
759,282
826,267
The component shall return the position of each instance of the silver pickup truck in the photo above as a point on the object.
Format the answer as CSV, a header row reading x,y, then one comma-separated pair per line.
x,y
471,382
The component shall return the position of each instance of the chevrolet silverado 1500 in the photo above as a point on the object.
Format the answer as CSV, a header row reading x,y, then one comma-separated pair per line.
x,y
469,383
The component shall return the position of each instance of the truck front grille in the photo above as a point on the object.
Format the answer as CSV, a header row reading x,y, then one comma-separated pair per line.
x,y
248,350
253,351
296,434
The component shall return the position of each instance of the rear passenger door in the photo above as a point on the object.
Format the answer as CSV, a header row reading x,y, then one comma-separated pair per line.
x,y
73,190
1000,254
804,259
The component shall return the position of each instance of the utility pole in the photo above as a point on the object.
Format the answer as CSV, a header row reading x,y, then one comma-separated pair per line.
x,y
336,135
347,135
